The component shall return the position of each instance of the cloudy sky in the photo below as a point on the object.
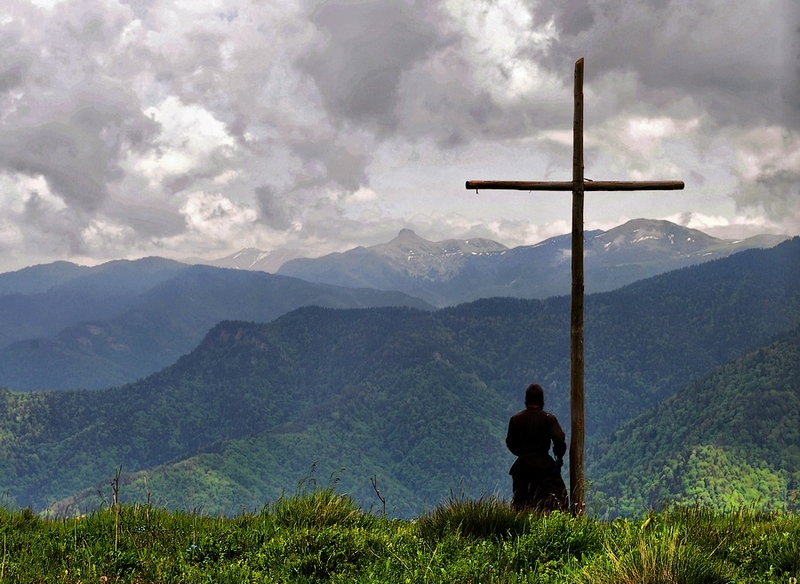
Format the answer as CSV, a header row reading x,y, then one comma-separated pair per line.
x,y
199,127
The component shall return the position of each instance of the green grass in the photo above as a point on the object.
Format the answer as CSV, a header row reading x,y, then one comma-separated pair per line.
x,y
319,535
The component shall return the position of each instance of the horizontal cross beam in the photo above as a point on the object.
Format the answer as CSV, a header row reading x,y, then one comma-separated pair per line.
x,y
568,185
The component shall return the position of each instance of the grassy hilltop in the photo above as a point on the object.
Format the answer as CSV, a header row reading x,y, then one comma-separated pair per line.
x,y
320,536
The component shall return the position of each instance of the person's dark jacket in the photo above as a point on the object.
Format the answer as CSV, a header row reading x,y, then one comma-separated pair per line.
x,y
530,433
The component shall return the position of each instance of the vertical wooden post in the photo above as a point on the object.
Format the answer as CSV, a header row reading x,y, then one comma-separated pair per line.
x,y
576,394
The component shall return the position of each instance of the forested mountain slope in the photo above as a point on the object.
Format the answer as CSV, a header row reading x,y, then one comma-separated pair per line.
x,y
731,438
153,321
419,398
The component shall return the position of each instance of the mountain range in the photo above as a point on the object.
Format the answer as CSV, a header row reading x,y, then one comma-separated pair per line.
x,y
66,326
419,399
450,272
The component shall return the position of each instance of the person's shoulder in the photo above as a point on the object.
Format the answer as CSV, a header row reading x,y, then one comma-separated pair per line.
x,y
550,416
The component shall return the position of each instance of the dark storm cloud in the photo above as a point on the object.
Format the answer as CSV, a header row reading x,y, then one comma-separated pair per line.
x,y
55,231
775,190
66,120
145,221
724,55
11,75
365,48
76,154
407,69
335,162
356,61
346,167
577,17
790,63
272,208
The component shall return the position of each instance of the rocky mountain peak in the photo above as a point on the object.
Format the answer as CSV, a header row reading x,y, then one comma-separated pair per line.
x,y
650,234
407,236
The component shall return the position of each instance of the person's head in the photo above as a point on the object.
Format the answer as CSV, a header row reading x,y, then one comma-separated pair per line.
x,y
534,395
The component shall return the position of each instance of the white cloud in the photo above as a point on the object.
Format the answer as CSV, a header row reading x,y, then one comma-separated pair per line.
x,y
362,195
16,191
730,227
48,4
216,217
699,221
102,235
499,40
189,141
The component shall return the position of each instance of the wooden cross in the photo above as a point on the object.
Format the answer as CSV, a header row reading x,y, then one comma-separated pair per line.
x,y
577,185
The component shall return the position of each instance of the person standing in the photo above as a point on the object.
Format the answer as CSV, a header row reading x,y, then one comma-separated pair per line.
x,y
536,476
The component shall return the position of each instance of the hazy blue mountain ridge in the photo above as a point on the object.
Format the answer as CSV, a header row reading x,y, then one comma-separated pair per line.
x,y
41,278
40,301
164,322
